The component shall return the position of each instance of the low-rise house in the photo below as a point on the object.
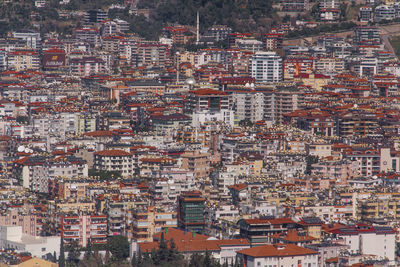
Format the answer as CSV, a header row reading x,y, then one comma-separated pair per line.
x,y
279,255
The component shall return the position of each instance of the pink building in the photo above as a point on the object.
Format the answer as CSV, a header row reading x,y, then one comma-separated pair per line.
x,y
339,170
31,224
83,228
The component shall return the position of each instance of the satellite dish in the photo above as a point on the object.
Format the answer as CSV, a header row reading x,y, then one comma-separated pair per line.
x,y
26,150
190,81
21,149
247,85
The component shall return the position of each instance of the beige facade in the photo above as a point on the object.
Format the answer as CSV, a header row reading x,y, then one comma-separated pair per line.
x,y
196,162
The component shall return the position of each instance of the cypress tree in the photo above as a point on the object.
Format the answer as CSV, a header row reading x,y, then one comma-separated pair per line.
x,y
61,260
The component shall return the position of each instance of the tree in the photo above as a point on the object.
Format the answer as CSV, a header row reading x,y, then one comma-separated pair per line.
x,y
73,253
309,161
89,251
93,260
245,123
119,247
61,260
48,228
105,175
22,119
162,253
173,254
207,259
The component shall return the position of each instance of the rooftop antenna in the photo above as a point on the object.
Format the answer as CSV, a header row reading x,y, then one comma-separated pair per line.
x,y
197,28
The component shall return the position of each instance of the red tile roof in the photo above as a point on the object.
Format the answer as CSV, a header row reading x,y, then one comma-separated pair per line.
x,y
99,134
277,250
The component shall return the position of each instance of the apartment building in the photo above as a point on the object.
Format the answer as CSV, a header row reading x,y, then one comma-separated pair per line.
x,y
31,223
208,99
191,207
151,54
83,228
87,65
258,231
148,220
366,239
23,60
249,106
88,35
114,160
366,35
196,162
266,67
279,102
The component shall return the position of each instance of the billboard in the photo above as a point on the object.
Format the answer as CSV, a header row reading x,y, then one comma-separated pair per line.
x,y
53,59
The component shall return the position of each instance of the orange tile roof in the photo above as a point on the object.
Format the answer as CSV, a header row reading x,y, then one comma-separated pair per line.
x,y
112,152
99,134
238,187
179,235
293,236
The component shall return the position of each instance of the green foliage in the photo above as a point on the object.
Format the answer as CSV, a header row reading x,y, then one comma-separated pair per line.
x,y
89,4
395,42
14,15
245,123
191,47
309,161
119,248
322,28
104,175
22,119
206,260
236,14
343,11
94,259
61,260
48,228
73,253
166,256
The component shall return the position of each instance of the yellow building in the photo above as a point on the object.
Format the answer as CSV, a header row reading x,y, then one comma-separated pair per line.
x,y
24,60
34,262
315,81
149,220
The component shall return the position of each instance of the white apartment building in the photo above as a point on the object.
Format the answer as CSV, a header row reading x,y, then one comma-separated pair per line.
x,y
369,240
249,106
201,117
266,67
114,160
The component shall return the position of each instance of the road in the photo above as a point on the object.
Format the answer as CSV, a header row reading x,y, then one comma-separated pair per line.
x,y
386,32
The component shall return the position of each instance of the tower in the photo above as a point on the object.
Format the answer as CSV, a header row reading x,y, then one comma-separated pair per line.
x,y
197,28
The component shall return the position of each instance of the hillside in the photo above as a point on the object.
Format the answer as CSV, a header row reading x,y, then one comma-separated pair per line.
x,y
241,15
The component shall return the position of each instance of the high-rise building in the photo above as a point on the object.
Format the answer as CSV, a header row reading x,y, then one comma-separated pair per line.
x,y
266,67
191,211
